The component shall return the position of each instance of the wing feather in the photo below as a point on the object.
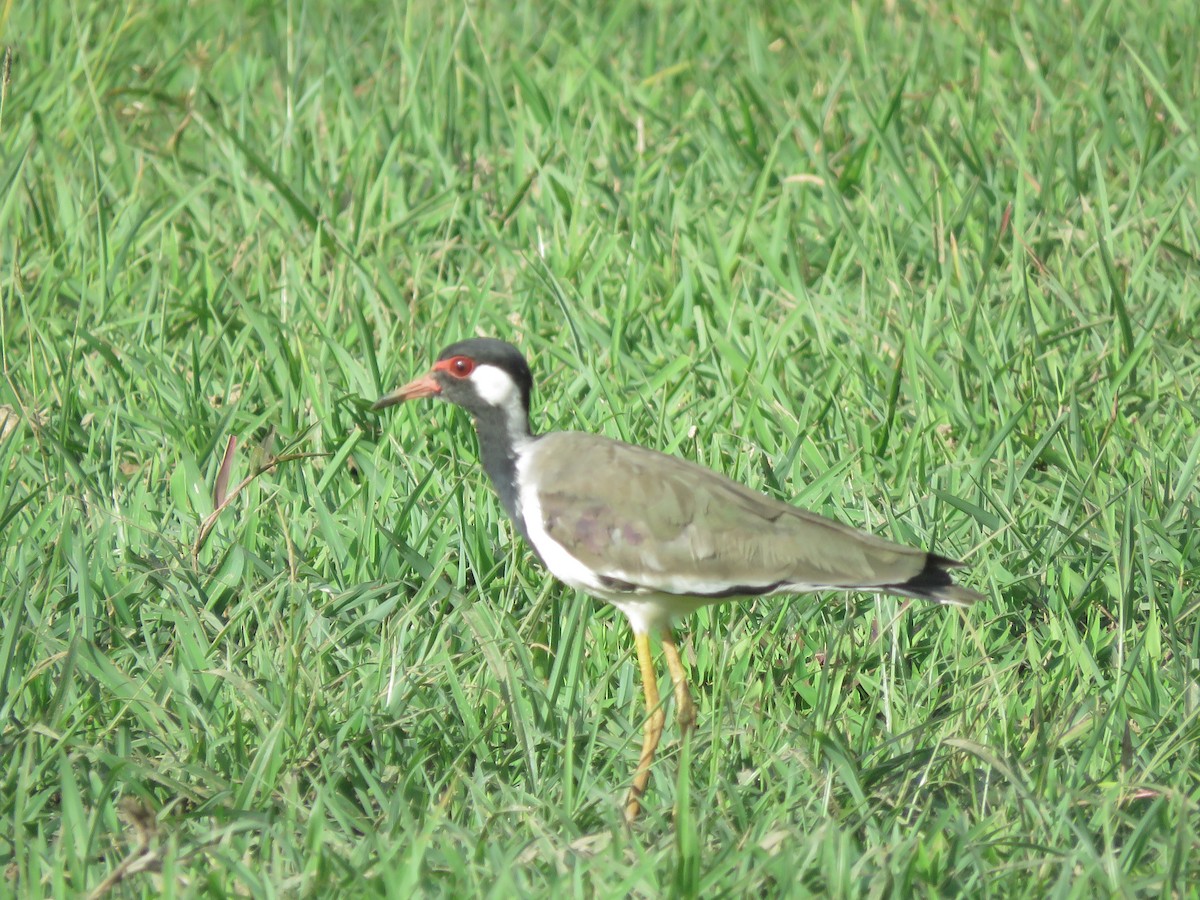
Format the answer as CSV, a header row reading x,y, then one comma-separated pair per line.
x,y
663,524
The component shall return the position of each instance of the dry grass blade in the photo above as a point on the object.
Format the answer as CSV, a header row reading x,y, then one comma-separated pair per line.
x,y
222,482
144,856
210,520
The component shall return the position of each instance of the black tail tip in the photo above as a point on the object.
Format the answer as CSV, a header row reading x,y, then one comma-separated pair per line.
x,y
934,583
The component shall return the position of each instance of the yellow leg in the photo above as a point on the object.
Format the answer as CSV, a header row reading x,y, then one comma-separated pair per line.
x,y
651,731
685,709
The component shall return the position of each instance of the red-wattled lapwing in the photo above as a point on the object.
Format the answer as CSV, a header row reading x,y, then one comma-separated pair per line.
x,y
655,536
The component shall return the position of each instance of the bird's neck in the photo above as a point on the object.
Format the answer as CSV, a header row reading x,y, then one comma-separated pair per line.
x,y
503,435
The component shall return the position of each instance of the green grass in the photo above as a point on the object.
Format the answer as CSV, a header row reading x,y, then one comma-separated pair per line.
x,y
930,269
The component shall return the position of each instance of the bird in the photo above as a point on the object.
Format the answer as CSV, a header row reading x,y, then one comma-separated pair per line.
x,y
656,536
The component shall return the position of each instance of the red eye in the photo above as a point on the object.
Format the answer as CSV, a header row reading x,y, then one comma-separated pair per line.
x,y
461,366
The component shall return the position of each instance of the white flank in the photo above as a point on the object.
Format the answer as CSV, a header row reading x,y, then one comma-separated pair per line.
x,y
558,559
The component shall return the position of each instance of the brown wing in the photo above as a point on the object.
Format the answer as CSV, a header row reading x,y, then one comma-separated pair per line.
x,y
658,523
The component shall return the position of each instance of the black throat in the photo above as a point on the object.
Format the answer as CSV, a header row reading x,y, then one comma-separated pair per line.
x,y
503,434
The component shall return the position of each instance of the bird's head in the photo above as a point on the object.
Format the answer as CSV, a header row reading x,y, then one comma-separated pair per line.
x,y
482,375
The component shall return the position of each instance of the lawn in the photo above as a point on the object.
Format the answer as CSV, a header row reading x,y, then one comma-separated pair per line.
x,y
930,269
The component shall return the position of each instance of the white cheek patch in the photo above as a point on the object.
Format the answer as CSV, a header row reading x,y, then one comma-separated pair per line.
x,y
494,386
497,389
